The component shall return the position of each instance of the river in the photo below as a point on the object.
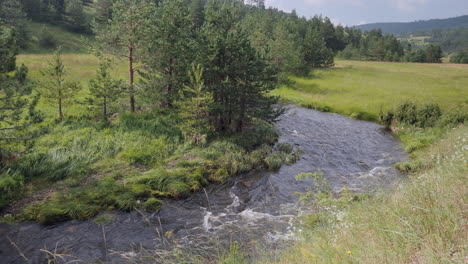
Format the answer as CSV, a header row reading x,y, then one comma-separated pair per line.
x,y
255,208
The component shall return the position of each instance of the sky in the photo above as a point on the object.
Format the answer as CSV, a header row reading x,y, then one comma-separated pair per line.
x,y
356,12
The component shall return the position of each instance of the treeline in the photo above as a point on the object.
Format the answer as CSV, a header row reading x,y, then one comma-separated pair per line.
x,y
376,46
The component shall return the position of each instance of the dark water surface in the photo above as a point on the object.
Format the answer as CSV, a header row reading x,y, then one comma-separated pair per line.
x,y
258,206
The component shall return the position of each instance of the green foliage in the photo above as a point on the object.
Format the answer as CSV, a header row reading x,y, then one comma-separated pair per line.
x,y
11,183
55,88
46,39
104,89
234,256
431,54
169,52
407,113
460,57
194,110
428,115
273,162
17,99
126,35
152,204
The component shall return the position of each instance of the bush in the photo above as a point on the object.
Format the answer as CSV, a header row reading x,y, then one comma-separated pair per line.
x,y
454,116
428,115
406,113
386,118
46,39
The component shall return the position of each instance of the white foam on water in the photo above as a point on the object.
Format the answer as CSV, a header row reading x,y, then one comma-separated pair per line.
x,y
235,202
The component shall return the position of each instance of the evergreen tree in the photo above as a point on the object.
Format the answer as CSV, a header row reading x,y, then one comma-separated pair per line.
x,y
194,109
12,15
77,19
235,73
197,12
284,51
169,51
126,34
17,103
103,88
55,88
434,54
316,53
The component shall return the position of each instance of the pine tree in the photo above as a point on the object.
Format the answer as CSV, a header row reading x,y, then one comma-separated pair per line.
x,y
103,88
17,102
316,53
126,34
55,88
237,76
197,12
194,108
169,52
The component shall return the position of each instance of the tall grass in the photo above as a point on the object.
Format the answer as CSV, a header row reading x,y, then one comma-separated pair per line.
x,y
423,220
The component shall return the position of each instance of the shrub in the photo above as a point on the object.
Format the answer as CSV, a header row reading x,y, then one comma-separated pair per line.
x,y
46,39
454,116
406,113
386,118
428,115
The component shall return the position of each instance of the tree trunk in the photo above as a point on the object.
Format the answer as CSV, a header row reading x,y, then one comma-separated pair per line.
x,y
132,73
105,107
60,109
169,87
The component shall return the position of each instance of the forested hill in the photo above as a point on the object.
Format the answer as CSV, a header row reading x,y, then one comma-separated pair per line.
x,y
417,26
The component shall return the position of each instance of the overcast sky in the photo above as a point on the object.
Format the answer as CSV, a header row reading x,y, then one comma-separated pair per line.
x,y
354,12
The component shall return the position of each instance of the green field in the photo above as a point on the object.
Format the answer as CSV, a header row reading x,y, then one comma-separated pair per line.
x,y
79,67
69,42
362,88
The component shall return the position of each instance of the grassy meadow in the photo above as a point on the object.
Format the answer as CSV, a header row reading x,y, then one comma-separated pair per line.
x,y
360,89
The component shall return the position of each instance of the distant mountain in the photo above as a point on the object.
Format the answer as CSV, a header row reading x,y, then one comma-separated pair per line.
x,y
417,26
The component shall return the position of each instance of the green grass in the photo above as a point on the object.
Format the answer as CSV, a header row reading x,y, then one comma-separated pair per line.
x,y
359,89
69,41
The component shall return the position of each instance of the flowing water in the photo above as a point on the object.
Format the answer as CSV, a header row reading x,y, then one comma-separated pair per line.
x,y
257,206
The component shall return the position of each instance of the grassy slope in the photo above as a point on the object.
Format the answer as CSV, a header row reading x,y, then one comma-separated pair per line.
x,y
362,88
69,41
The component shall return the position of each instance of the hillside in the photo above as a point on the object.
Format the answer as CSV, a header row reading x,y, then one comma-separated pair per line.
x,y
45,38
401,28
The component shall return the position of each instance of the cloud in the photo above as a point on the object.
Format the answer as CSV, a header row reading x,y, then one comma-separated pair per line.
x,y
409,5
